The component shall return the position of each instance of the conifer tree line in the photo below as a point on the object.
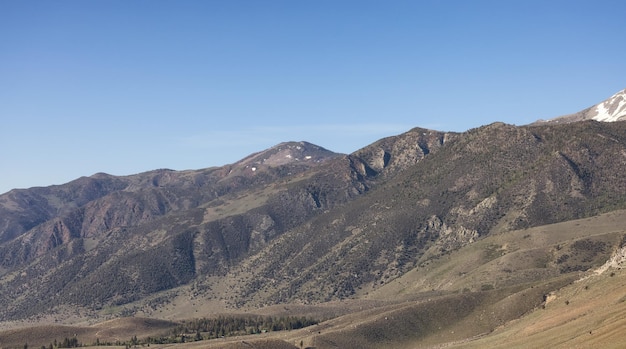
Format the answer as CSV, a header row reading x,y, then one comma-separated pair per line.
x,y
221,326
65,343
201,329
232,325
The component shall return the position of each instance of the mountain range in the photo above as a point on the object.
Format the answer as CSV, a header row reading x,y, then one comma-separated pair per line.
x,y
440,231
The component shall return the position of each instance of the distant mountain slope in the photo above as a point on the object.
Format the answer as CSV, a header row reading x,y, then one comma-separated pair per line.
x,y
161,229
70,231
89,206
611,110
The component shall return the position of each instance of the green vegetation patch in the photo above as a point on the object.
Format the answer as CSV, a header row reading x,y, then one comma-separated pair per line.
x,y
226,326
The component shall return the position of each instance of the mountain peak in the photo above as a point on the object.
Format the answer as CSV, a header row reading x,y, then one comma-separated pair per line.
x,y
610,110
288,152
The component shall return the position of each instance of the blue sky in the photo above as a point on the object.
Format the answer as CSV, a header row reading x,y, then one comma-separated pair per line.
x,y
128,86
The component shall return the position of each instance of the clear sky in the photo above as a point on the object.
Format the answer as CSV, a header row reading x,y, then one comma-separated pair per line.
x,y
129,86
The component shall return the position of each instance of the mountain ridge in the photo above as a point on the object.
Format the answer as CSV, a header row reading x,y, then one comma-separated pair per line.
x,y
297,224
610,110
540,171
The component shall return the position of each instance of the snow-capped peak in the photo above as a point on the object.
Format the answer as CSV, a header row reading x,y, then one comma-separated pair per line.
x,y
610,110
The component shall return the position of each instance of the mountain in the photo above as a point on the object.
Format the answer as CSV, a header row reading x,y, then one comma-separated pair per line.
x,y
610,110
433,229
493,179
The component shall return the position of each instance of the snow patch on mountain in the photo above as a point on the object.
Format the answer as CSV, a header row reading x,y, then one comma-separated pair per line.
x,y
286,153
612,109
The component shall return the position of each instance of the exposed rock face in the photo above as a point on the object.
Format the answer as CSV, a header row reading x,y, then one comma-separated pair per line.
x,y
450,238
394,154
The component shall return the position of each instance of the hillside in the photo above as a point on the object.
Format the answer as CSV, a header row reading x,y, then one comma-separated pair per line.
x,y
478,305
376,214
421,239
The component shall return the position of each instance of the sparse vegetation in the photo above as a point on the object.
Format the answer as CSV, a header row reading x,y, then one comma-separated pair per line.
x,y
383,223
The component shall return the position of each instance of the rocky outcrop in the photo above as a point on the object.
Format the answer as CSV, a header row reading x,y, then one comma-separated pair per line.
x,y
394,154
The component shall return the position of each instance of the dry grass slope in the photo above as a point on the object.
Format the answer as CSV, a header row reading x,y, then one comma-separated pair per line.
x,y
109,331
587,314
243,344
